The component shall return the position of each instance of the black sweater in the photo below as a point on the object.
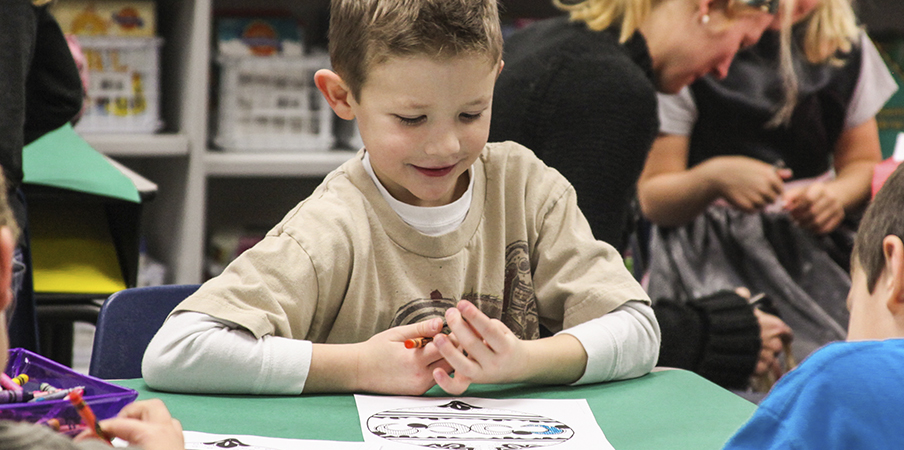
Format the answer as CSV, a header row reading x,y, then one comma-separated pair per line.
x,y
40,88
586,105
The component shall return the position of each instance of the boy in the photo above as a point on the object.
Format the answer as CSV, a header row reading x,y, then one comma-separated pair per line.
x,y
146,424
427,222
848,395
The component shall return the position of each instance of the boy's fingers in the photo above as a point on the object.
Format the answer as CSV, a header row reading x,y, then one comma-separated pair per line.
x,y
430,327
453,355
452,386
441,364
426,328
489,330
468,338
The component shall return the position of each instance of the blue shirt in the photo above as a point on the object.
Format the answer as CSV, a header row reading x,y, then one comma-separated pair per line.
x,y
847,395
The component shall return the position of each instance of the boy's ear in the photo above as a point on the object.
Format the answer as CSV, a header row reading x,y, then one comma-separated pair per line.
x,y
7,247
893,249
335,92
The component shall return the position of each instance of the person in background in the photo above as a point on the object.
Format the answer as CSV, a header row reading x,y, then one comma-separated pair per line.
x,y
744,190
580,91
145,424
848,395
40,91
428,227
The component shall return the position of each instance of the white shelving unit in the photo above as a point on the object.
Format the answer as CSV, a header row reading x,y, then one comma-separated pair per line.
x,y
196,183
180,160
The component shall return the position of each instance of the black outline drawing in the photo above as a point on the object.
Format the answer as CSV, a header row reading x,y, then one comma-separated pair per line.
x,y
463,426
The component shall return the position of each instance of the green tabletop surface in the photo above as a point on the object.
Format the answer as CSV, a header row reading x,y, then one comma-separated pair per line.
x,y
670,409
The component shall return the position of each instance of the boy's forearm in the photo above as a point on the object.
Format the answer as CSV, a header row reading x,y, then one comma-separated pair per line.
x,y
559,359
334,368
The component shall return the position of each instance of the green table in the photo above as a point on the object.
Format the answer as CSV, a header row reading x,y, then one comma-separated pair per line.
x,y
670,409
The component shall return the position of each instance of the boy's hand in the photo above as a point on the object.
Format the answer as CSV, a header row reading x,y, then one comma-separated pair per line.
x,y
816,207
494,353
146,424
385,366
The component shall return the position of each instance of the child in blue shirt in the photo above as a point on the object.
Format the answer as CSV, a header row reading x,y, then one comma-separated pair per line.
x,y
848,395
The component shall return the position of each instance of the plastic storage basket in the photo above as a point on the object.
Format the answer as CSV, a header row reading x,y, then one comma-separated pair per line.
x,y
105,399
123,93
271,104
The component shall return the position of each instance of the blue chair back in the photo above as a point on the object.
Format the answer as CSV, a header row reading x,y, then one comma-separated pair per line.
x,y
127,321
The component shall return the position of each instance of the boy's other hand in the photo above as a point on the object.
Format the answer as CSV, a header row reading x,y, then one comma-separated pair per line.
x,y
146,424
385,366
492,353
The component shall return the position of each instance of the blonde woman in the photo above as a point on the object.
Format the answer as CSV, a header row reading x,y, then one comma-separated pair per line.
x,y
580,91
40,90
738,198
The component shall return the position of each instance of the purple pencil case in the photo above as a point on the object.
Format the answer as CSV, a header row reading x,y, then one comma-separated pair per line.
x,y
105,399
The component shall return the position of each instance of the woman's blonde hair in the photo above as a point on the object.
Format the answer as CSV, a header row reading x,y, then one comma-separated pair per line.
x,y
601,14
831,30
629,14
40,2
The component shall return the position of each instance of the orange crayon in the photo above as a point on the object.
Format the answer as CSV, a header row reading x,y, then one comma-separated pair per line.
x,y
75,397
420,342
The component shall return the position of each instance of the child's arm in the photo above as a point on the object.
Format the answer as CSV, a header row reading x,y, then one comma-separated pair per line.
x,y
621,344
381,364
820,207
197,353
193,351
672,194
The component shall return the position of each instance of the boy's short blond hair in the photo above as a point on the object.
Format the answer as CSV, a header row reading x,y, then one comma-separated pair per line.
x,y
883,217
364,33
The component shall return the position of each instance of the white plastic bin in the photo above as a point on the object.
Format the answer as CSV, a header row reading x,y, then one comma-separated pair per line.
x,y
123,90
271,104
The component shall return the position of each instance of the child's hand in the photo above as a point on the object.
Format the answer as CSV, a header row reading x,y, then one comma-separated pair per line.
x,y
773,334
494,353
146,424
815,207
387,367
746,183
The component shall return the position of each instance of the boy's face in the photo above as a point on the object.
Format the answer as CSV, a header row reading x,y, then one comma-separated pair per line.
x,y
424,121
870,316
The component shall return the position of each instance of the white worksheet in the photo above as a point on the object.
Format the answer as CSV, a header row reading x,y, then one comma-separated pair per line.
x,y
195,440
478,423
